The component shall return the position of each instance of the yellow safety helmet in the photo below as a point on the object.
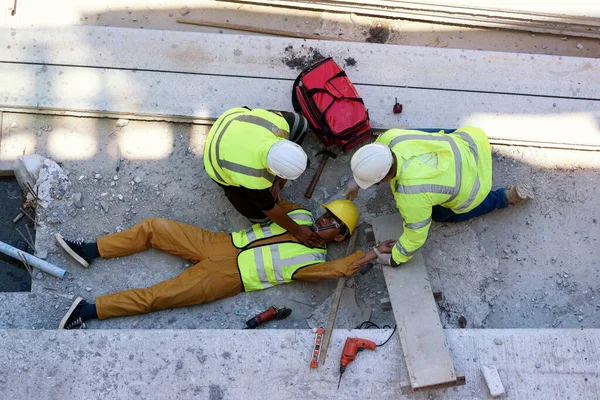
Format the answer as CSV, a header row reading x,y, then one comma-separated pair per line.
x,y
345,210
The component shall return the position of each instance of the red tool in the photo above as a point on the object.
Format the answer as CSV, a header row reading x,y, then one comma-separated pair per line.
x,y
397,107
266,316
351,347
314,363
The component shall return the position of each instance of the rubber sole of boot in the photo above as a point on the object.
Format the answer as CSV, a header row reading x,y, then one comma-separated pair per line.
x,y
68,314
70,251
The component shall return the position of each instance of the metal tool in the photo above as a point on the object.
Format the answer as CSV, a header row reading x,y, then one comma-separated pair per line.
x,y
313,184
267,315
314,363
351,347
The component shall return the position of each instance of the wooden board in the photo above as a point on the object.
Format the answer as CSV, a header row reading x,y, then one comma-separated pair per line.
x,y
423,341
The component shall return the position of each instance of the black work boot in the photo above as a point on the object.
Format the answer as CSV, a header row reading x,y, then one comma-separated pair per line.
x,y
82,252
73,318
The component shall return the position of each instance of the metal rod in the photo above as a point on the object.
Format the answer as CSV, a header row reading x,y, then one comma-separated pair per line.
x,y
32,260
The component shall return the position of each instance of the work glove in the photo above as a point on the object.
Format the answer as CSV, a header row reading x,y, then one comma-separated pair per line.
x,y
351,190
383,258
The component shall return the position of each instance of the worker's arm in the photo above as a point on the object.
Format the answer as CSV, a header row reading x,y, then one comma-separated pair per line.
x,y
301,232
416,216
276,188
332,269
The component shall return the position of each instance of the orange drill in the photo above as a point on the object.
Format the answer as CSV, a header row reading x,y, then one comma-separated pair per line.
x,y
351,347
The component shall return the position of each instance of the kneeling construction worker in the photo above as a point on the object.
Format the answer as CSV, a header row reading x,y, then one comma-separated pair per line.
x,y
433,176
223,264
251,154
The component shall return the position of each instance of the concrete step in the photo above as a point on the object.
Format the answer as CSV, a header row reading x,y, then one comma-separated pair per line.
x,y
234,364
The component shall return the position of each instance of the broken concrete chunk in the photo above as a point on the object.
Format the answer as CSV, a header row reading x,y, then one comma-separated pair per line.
x,y
104,206
492,379
184,10
27,169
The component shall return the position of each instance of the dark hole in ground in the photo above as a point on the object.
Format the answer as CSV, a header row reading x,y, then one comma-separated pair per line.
x,y
302,58
13,275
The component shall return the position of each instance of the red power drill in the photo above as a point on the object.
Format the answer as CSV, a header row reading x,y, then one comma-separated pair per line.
x,y
351,347
265,316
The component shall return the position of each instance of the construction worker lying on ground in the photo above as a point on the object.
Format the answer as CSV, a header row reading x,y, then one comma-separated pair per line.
x,y
223,264
433,176
248,154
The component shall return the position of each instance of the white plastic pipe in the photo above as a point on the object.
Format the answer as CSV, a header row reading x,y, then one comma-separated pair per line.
x,y
33,261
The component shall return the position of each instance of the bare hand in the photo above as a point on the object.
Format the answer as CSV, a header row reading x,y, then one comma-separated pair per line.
x,y
275,192
351,190
386,246
307,237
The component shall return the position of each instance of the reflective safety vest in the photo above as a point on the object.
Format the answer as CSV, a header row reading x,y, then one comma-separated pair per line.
x,y
451,170
235,153
267,265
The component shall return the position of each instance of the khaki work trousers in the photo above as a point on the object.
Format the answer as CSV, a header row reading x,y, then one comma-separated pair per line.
x,y
213,276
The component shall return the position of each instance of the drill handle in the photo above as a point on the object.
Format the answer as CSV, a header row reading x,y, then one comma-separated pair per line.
x,y
366,344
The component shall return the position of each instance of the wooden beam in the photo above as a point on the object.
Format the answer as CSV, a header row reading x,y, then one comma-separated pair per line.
x,y
335,304
463,16
424,345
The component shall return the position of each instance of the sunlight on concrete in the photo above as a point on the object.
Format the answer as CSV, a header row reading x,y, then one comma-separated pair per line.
x,y
581,128
68,144
145,144
17,144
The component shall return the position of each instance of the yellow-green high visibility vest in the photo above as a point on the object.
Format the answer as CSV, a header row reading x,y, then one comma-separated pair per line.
x,y
245,237
451,170
235,153
273,264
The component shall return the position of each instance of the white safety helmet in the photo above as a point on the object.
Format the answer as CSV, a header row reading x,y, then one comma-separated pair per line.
x,y
286,159
371,163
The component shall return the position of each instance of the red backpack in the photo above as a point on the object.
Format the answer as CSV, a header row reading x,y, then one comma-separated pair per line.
x,y
326,97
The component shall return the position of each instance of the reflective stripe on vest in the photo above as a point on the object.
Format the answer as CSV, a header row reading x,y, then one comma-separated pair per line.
x,y
265,266
431,187
255,232
473,147
220,164
210,145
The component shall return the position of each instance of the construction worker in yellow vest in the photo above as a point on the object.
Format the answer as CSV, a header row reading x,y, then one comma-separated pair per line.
x,y
223,265
251,154
433,176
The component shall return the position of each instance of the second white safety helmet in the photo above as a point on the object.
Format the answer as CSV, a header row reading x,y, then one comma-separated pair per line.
x,y
286,159
371,163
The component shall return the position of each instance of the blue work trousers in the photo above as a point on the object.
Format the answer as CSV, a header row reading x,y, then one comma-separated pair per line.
x,y
495,200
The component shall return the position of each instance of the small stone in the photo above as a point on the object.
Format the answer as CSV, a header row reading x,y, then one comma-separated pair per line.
x,y
137,179
579,46
184,10
121,122
580,318
538,365
544,47
104,206
506,251
120,197
116,178
98,176
39,276
88,289
81,177
553,259
563,38
498,342
13,125
77,200
41,254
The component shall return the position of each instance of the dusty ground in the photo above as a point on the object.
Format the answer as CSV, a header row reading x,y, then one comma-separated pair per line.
x,y
531,266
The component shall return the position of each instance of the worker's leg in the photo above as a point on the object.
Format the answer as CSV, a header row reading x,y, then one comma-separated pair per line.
x,y
187,241
238,197
209,280
496,199
204,282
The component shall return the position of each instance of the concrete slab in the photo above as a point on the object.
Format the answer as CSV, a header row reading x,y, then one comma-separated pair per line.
x,y
282,58
230,364
170,95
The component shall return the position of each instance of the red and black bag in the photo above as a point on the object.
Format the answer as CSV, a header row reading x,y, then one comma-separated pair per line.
x,y
336,113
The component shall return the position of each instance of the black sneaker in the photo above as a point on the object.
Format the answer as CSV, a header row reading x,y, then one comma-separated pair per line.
x,y
74,249
73,318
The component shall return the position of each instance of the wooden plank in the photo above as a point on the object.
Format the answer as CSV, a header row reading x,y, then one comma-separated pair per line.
x,y
578,27
423,342
335,304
